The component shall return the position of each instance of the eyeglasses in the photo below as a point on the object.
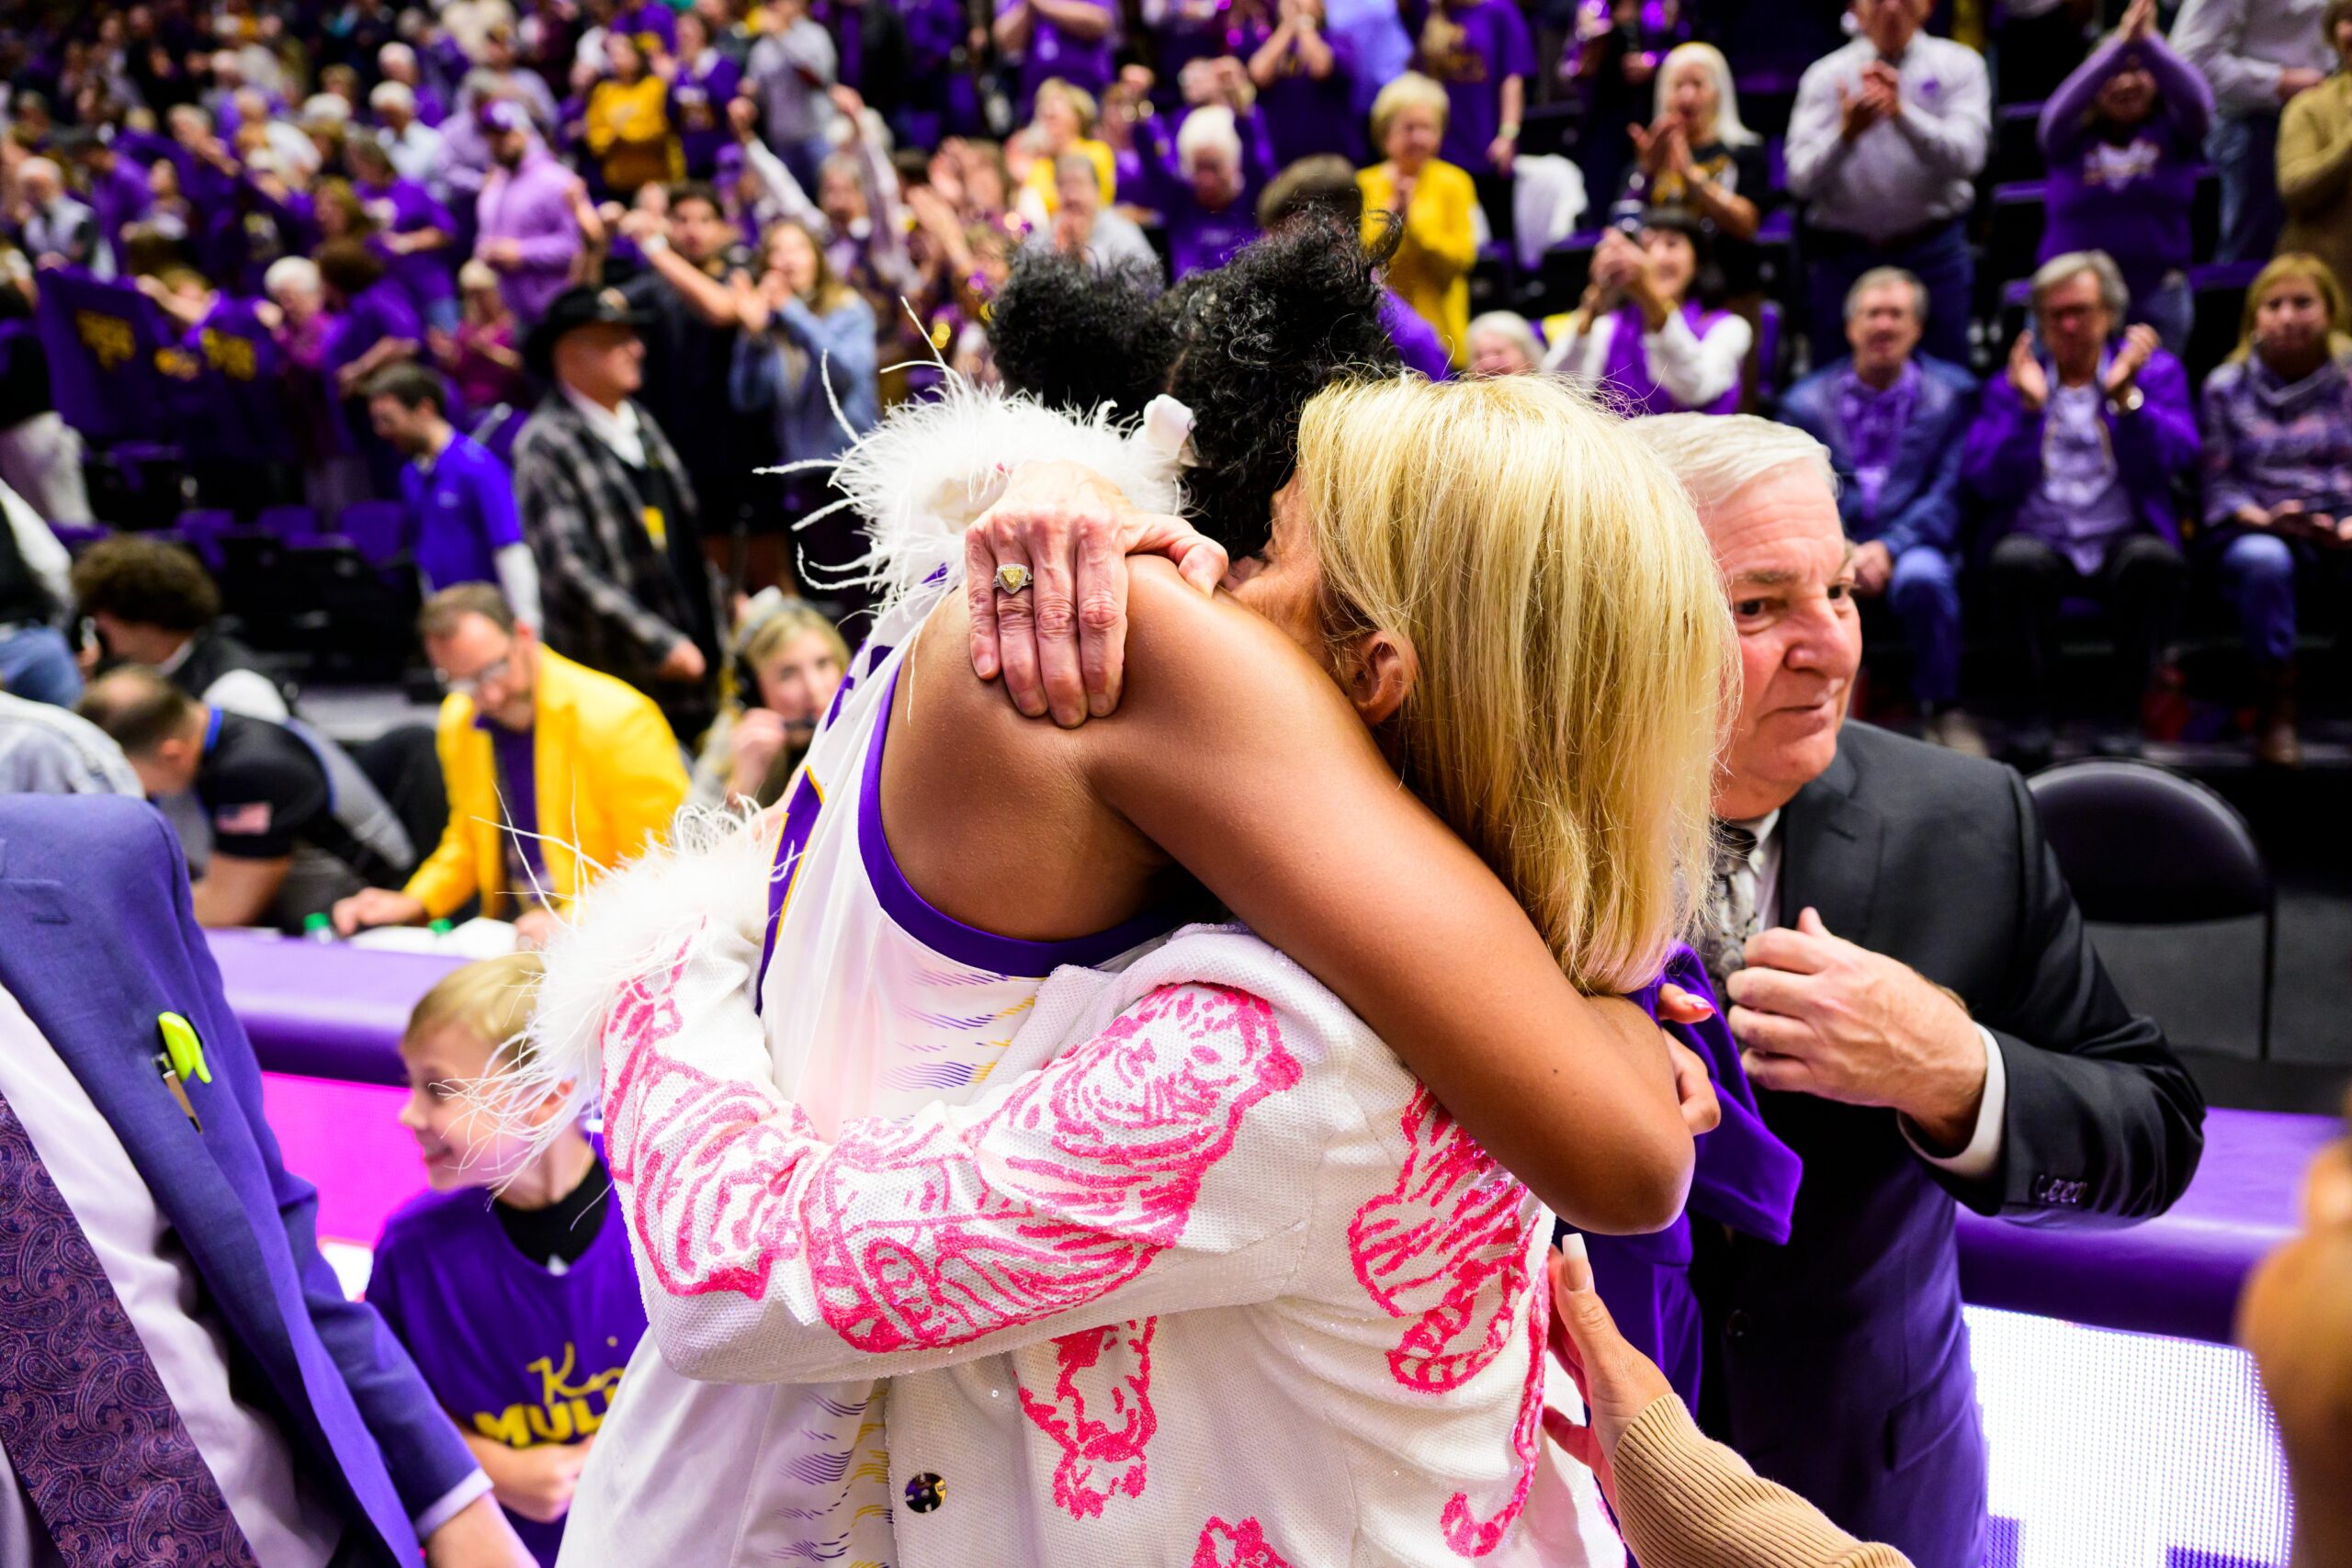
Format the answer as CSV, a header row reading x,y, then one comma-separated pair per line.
x,y
495,671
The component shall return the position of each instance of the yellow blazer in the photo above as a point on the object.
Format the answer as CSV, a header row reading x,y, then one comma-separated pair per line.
x,y
1431,271
609,778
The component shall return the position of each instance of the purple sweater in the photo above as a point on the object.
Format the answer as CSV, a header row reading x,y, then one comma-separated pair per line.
x,y
1198,237
2129,198
2002,461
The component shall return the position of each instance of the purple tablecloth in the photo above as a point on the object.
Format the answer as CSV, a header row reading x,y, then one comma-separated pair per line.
x,y
2178,1274
323,1009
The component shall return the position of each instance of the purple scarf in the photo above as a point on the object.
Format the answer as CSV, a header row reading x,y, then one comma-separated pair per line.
x,y
1627,373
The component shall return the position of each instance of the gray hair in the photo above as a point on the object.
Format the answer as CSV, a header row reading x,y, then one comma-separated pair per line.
x,y
2062,268
291,272
1715,456
1879,278
1512,325
391,94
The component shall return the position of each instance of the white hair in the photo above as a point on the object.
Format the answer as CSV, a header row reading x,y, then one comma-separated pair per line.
x,y
395,50
1512,325
36,168
325,108
1209,125
1730,130
1716,456
2060,269
1886,277
393,94
291,272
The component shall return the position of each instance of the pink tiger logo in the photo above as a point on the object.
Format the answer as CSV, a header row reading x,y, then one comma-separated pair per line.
x,y
1236,1546
1099,1413
1465,1532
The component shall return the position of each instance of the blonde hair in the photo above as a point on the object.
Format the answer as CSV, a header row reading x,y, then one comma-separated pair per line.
x,y
1730,130
1716,456
492,1001
2310,269
1412,90
1080,102
786,625
1576,661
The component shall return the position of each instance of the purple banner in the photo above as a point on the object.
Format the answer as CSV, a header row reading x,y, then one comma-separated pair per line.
x,y
111,363
240,384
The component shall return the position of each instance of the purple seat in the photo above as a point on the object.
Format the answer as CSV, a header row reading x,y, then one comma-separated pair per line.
x,y
201,529
290,522
1768,351
79,536
378,529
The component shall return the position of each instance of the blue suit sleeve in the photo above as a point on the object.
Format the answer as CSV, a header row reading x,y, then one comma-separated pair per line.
x,y
1933,516
421,1450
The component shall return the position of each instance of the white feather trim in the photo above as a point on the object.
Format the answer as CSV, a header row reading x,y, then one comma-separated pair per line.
x,y
714,868
932,466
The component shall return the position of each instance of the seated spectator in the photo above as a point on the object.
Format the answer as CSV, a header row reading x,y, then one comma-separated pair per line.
x,y
1434,199
515,1262
554,773
2278,470
1481,52
2258,55
702,83
611,515
54,228
462,527
1205,185
1645,333
1069,39
1895,421
417,150
2315,157
49,749
482,359
1884,144
36,591
412,231
1084,225
627,129
526,228
154,603
119,192
397,64
790,665
2075,454
1697,154
1307,83
1502,344
1066,122
1326,190
294,824
2124,137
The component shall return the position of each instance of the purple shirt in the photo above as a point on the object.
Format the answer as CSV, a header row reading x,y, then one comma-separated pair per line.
x,y
404,206
698,98
1305,117
531,205
1874,421
1493,44
2269,440
1417,341
461,509
2080,505
118,197
1199,238
1081,63
383,310
2129,198
512,1351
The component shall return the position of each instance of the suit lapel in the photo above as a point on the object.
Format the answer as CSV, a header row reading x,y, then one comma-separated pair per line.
x,y
1830,852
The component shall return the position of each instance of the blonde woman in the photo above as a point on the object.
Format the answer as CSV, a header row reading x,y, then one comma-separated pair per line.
x,y
1064,121
1435,199
1178,1216
2278,470
791,663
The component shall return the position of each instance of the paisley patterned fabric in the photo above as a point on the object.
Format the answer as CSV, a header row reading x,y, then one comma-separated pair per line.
x,y
83,1415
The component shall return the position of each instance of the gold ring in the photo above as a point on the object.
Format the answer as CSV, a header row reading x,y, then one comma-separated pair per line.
x,y
1012,577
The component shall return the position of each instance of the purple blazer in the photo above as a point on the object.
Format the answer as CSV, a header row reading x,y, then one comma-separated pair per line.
x,y
1745,1178
2002,462
98,938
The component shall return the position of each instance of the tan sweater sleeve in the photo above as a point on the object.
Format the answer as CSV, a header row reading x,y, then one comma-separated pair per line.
x,y
1685,1502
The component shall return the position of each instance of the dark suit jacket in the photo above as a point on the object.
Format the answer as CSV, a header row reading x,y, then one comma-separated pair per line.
x,y
1919,503
96,938
1843,1360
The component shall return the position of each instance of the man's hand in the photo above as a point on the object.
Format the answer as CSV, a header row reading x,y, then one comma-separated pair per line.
x,y
2139,342
1873,566
683,663
376,907
1858,111
1616,1381
1060,644
478,1535
2297,79
503,255
538,1483
534,928
1816,1014
2026,374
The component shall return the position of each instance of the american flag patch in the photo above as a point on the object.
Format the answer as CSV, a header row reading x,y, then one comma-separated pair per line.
x,y
245,819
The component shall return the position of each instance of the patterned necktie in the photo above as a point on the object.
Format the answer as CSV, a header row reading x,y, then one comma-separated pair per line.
x,y
83,1415
1730,907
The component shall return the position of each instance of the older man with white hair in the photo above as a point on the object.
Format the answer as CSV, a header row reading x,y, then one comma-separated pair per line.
x,y
418,151
54,227
1925,1019
2075,452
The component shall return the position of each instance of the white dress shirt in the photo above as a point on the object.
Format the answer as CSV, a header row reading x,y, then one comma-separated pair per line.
x,y
284,1520
2241,46
619,428
1902,174
1982,1154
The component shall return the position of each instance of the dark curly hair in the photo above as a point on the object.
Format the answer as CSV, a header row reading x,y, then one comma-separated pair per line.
x,y
145,582
1244,346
